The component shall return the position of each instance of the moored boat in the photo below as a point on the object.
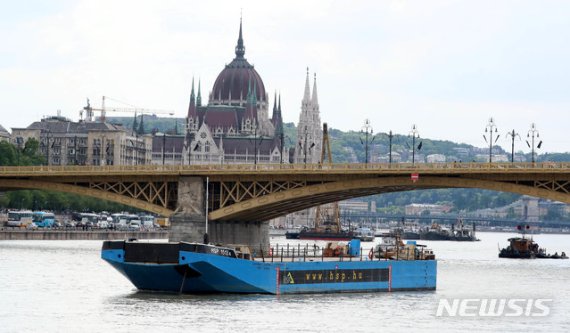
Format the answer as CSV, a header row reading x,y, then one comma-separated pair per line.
x,y
364,234
327,235
527,248
202,268
458,232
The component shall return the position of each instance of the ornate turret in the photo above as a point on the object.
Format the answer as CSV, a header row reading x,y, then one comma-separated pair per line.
x,y
199,97
277,119
309,131
231,84
192,116
315,98
307,94
240,48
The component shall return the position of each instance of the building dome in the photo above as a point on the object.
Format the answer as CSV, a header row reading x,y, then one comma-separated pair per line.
x,y
236,79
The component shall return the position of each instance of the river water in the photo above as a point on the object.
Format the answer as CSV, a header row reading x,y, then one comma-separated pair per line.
x,y
64,286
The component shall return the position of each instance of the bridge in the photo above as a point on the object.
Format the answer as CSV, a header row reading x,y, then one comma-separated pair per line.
x,y
251,194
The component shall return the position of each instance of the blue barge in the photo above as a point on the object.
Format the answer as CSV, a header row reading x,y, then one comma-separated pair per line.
x,y
200,268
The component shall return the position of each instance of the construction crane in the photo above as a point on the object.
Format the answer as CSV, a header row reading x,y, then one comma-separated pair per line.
x,y
89,110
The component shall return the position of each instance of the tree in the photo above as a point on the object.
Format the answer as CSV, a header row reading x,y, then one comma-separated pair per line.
x,y
8,154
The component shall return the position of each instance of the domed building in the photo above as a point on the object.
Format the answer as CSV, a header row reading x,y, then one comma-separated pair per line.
x,y
234,127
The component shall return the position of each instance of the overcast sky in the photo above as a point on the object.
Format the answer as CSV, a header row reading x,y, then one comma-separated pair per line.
x,y
447,66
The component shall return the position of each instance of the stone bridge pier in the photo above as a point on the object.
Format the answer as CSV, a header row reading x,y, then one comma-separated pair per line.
x,y
188,223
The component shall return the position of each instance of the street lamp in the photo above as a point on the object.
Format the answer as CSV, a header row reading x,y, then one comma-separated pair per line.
x,y
19,141
304,146
532,133
491,126
513,134
390,137
282,138
414,133
367,129
48,137
163,147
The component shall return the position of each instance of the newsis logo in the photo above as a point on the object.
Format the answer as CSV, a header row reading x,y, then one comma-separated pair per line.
x,y
494,307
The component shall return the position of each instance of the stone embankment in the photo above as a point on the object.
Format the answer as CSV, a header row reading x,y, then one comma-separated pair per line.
x,y
17,234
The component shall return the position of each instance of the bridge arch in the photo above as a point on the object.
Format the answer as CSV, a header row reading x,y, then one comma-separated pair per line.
x,y
280,203
19,184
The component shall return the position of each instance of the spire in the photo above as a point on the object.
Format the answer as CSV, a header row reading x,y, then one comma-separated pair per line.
x,y
275,114
315,99
240,48
307,95
275,103
135,123
141,126
192,106
277,120
199,98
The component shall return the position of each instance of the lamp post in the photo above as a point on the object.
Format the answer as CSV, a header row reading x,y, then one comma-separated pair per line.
x,y
102,151
367,129
532,133
415,133
255,143
19,141
47,146
163,147
282,139
513,135
490,128
304,146
390,137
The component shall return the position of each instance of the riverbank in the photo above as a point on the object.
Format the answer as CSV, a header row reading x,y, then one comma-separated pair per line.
x,y
80,234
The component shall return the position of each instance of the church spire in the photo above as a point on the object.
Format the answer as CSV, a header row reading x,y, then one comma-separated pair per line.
x,y
199,97
275,103
315,99
277,119
240,48
307,95
192,106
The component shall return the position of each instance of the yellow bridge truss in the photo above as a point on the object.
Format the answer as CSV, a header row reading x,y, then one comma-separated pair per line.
x,y
257,193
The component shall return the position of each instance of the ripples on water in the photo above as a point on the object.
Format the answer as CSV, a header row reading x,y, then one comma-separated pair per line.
x,y
55,286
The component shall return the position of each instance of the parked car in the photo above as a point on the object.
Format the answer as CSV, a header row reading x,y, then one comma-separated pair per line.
x,y
32,226
134,226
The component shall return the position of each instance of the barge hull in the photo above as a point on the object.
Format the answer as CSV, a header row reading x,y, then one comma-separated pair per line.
x,y
207,273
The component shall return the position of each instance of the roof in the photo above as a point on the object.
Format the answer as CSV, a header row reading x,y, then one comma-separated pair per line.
x,y
3,130
59,126
231,145
170,142
224,116
239,145
235,80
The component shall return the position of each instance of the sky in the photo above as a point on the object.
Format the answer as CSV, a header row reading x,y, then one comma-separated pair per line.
x,y
446,66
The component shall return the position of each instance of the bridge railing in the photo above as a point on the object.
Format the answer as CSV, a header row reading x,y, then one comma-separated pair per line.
x,y
288,168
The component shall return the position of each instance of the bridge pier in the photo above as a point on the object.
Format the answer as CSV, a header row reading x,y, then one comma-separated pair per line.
x,y
188,223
